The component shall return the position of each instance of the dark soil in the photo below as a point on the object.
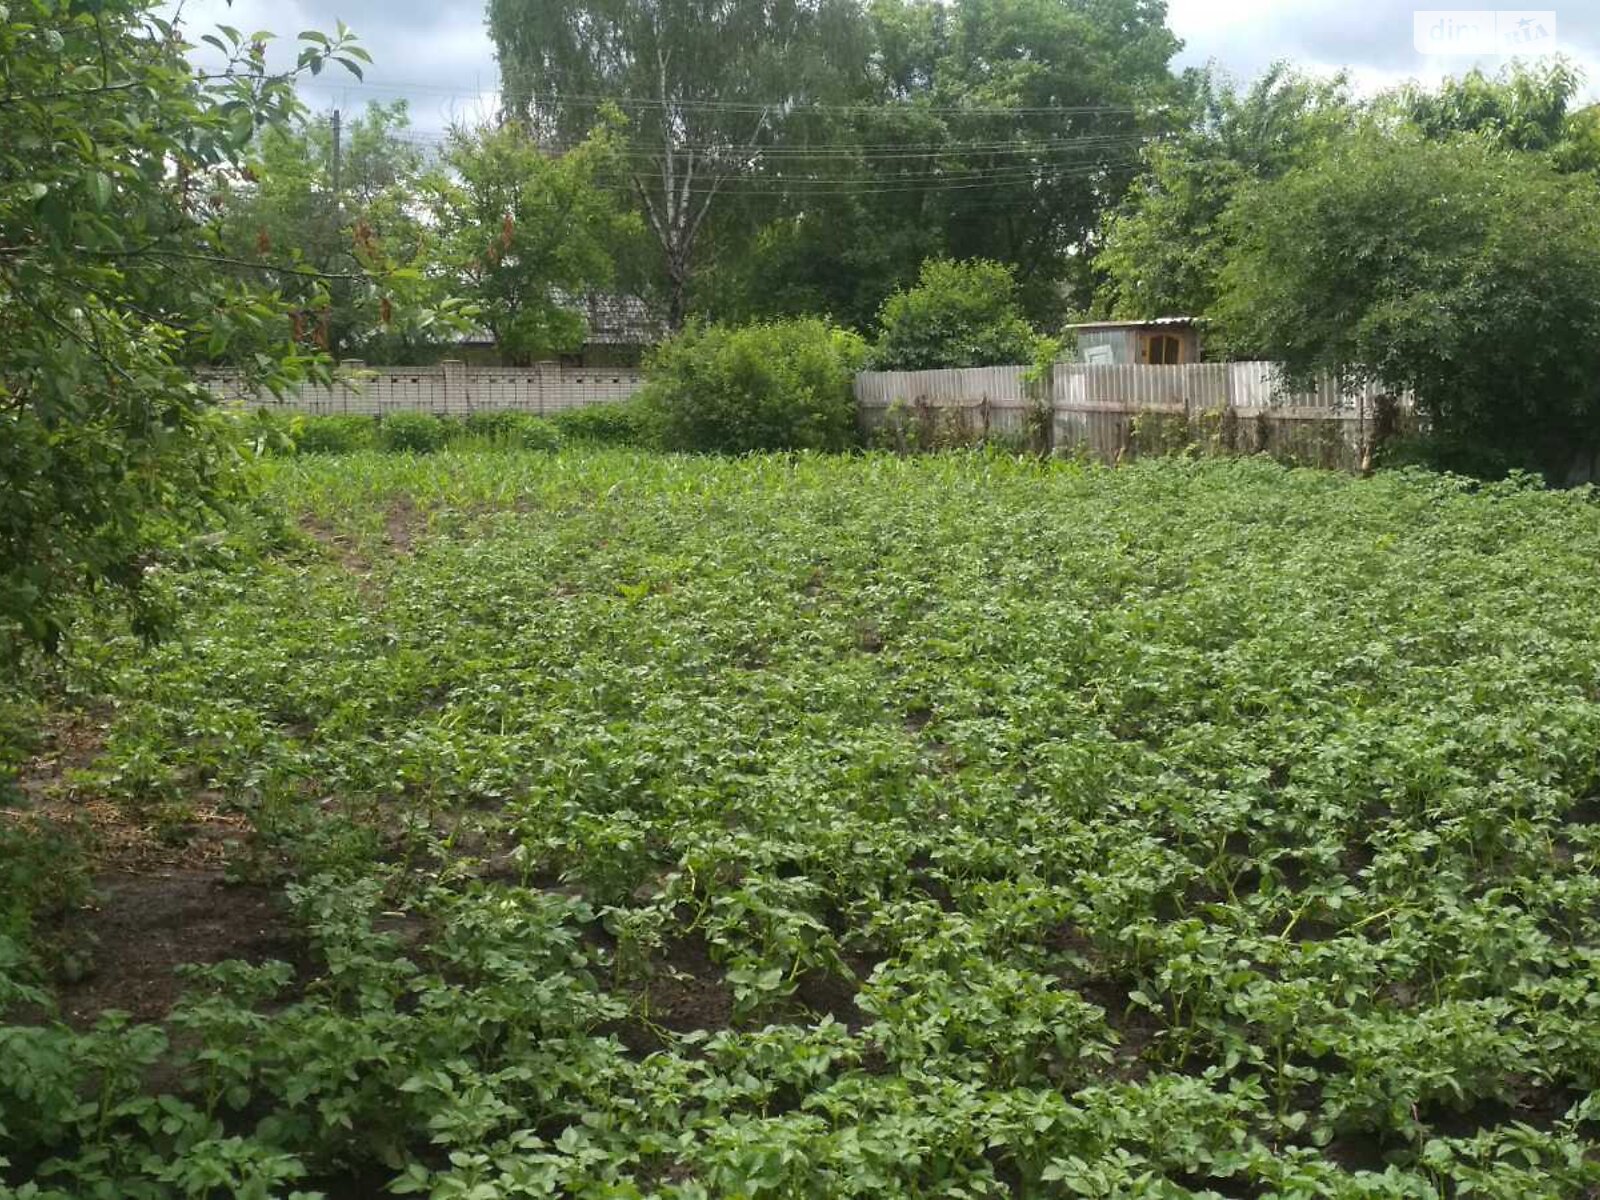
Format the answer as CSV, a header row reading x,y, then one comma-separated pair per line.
x,y
145,926
403,524
342,545
825,994
69,741
688,991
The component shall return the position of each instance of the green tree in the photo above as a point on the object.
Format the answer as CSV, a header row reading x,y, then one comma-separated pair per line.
x,y
984,128
960,314
1523,107
704,87
282,211
522,231
109,282
1164,246
1463,272
1041,108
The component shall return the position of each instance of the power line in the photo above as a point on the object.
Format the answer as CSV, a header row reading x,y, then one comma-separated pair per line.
x,y
1014,156
846,152
798,172
778,184
919,187
783,107
801,189
836,169
756,180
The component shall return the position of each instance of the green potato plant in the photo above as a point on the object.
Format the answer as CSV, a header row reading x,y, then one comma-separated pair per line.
x,y
961,825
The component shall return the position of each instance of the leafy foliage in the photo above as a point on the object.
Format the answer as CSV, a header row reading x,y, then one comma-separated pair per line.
x,y
109,282
804,159
282,218
510,428
1524,107
622,423
523,230
419,433
1089,84
1456,270
779,386
816,826
703,86
1165,245
334,435
960,314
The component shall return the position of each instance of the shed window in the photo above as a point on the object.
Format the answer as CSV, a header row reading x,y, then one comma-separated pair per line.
x,y
1162,349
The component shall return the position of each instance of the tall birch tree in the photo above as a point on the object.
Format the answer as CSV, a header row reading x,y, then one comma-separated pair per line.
x,y
704,85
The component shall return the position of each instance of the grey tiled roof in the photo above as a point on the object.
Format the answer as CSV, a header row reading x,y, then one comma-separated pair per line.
x,y
614,320
618,320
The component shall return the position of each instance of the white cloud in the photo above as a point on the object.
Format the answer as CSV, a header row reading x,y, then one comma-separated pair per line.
x,y
438,55
1371,39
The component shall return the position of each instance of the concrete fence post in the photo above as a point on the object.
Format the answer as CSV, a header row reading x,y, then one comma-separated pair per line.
x,y
347,368
457,386
546,377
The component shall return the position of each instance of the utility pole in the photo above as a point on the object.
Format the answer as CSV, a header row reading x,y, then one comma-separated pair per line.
x,y
337,198
338,207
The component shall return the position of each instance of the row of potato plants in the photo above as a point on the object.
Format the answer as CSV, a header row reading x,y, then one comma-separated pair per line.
x,y
808,826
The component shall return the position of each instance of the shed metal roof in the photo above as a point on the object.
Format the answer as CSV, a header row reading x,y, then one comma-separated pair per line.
x,y
1153,321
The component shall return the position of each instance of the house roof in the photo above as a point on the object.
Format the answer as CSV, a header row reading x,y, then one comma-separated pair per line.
x,y
1167,322
618,320
614,320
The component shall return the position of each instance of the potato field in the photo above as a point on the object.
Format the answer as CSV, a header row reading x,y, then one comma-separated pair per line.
x,y
611,824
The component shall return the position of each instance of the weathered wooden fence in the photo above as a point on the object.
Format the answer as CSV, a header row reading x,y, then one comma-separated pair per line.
x,y
451,388
1112,411
1120,411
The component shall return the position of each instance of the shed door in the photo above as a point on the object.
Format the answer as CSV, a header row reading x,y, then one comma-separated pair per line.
x,y
1163,349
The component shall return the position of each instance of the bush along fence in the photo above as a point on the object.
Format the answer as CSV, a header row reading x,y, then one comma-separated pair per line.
x,y
448,389
1117,412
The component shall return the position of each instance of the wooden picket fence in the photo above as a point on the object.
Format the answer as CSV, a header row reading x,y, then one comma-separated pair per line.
x,y
1117,412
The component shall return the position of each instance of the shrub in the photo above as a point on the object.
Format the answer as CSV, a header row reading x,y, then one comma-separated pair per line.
x,y
418,433
1449,453
533,433
617,423
508,427
334,435
960,314
783,385
492,426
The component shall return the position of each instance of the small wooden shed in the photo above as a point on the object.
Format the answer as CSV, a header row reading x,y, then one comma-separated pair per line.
x,y
1162,341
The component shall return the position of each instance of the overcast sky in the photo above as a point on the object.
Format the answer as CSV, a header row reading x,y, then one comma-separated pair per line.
x,y
437,54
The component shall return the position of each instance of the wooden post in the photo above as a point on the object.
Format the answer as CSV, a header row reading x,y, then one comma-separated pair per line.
x,y
1050,410
1364,451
